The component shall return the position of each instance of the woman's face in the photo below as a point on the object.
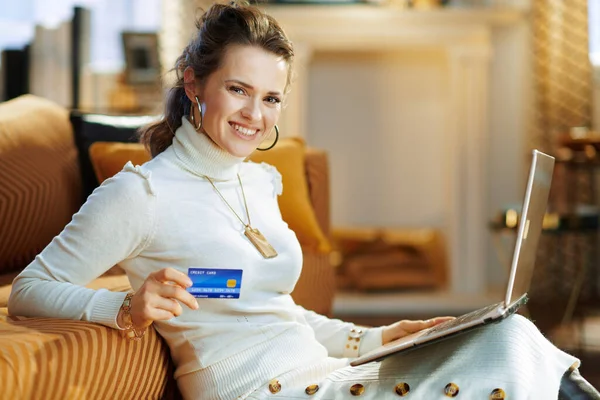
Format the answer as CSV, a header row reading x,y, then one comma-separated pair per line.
x,y
241,101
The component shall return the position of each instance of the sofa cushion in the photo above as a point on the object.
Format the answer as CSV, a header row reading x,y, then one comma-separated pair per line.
x,y
287,157
63,359
110,158
91,128
40,184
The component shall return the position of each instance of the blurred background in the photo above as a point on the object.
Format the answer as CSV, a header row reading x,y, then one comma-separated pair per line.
x,y
428,111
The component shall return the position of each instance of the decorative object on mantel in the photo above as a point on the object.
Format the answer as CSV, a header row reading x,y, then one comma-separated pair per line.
x,y
389,259
426,4
312,2
141,58
417,4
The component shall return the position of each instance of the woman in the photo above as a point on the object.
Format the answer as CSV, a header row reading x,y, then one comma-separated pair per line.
x,y
197,210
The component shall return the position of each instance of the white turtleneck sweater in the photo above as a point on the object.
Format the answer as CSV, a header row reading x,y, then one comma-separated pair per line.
x,y
165,214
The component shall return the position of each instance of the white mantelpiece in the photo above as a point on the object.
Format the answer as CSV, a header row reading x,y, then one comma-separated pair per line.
x,y
464,36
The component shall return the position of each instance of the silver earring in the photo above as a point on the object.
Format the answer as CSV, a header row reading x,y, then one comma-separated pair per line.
x,y
200,112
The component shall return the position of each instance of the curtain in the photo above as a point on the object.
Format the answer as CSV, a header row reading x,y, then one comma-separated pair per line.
x,y
561,69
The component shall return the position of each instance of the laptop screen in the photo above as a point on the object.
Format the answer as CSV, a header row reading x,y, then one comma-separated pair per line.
x,y
530,225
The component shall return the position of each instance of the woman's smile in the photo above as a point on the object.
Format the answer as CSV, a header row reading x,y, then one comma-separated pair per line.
x,y
243,132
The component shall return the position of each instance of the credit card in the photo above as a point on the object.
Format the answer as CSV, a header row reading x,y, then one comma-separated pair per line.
x,y
215,283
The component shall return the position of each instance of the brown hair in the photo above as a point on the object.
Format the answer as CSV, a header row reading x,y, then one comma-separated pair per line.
x,y
236,23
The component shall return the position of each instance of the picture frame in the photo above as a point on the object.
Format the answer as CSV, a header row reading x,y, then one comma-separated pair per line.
x,y
142,62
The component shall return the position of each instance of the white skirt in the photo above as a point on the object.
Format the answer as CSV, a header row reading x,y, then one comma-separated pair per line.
x,y
508,360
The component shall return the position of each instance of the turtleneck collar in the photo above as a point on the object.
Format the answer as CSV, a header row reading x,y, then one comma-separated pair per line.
x,y
201,156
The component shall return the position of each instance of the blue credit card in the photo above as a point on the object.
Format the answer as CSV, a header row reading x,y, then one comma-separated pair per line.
x,y
215,283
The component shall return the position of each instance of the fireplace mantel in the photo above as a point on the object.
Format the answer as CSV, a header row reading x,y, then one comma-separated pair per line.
x,y
339,27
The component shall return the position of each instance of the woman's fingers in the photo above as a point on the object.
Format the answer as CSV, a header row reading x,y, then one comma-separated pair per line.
x,y
407,327
173,284
160,296
166,275
159,314
177,293
420,325
439,320
172,306
416,326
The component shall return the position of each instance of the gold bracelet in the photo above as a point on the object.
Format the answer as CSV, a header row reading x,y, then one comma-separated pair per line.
x,y
130,332
352,347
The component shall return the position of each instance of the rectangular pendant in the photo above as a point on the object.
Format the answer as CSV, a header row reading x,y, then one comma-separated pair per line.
x,y
259,241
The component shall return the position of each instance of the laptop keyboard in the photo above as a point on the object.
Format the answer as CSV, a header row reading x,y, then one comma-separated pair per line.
x,y
473,315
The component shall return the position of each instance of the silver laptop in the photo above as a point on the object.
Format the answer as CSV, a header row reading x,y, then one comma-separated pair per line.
x,y
521,271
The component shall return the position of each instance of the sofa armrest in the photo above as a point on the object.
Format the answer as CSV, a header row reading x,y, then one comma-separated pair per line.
x,y
64,359
317,177
316,287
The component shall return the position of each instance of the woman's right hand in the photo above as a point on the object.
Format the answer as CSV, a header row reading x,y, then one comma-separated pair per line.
x,y
159,298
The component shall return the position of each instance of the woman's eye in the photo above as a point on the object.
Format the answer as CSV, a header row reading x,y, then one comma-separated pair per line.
x,y
273,100
236,89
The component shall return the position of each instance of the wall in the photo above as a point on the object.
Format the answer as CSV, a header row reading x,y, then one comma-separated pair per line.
x,y
381,117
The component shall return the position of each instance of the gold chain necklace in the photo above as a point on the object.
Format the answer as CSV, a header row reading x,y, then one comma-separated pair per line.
x,y
254,235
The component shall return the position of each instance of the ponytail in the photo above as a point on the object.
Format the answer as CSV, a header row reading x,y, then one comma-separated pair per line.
x,y
156,137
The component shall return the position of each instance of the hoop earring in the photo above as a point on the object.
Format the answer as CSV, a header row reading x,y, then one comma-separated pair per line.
x,y
197,128
274,143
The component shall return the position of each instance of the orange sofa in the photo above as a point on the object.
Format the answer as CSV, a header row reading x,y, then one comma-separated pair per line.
x,y
40,190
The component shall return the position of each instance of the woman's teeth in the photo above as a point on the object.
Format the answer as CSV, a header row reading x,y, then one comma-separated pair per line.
x,y
244,131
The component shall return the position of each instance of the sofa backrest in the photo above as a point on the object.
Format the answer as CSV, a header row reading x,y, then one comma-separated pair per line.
x,y
40,185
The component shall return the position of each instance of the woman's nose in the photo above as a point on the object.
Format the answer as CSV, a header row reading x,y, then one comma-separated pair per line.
x,y
252,111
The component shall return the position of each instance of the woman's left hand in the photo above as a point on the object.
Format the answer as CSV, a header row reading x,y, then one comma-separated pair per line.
x,y
406,327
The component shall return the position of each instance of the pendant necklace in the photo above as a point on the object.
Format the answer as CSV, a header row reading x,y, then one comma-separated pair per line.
x,y
253,234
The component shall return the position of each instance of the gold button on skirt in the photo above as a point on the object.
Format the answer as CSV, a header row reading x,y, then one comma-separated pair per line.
x,y
311,389
497,394
357,390
402,389
451,390
274,386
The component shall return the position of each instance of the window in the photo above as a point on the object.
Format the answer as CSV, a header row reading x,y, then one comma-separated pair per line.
x,y
108,18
